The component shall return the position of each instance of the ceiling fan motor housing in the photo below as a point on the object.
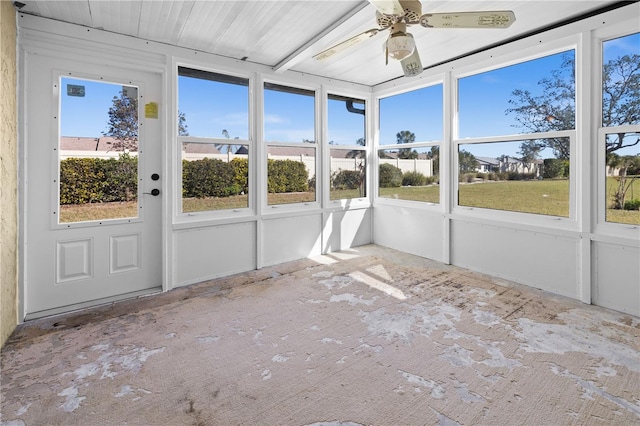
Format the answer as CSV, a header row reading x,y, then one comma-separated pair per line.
x,y
412,12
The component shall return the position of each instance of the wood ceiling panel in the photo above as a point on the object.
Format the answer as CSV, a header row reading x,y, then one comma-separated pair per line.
x,y
120,17
69,11
164,20
270,31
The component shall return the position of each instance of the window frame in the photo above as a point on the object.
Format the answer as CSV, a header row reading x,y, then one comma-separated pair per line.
x,y
599,201
374,178
207,215
345,203
267,208
550,47
515,216
57,78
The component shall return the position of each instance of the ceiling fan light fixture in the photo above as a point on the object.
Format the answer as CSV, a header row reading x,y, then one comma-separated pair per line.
x,y
400,45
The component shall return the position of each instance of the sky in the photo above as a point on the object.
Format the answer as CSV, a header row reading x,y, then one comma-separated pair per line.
x,y
211,107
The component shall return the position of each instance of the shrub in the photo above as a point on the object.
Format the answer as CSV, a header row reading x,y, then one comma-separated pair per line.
x,y
431,179
81,181
390,176
208,178
633,204
241,173
483,176
467,177
555,168
520,176
121,183
96,180
345,179
287,176
414,179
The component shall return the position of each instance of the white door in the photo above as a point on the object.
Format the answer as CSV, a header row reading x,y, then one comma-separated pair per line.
x,y
93,185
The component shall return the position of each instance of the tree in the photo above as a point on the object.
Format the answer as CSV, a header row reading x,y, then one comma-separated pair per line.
x,y
554,108
225,149
530,150
467,161
405,136
123,123
434,156
621,98
182,124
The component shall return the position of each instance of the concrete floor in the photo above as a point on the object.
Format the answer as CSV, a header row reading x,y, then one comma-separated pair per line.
x,y
365,336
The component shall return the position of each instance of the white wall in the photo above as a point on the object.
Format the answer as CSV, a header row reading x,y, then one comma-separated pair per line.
x,y
570,257
204,245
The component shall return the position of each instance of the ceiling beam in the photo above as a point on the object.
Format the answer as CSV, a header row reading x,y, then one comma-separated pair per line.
x,y
303,51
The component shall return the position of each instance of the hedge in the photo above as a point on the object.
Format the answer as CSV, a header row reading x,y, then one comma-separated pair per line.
x,y
95,180
287,176
209,178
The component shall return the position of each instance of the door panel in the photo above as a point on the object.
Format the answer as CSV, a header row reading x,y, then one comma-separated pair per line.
x,y
88,241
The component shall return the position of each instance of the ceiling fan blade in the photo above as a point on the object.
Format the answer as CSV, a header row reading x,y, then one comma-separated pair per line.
x,y
346,44
488,19
411,65
388,7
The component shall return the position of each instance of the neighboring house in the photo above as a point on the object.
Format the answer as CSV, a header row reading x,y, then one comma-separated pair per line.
x,y
487,165
508,164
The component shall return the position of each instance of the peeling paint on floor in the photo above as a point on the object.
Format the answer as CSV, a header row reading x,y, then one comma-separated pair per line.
x,y
357,339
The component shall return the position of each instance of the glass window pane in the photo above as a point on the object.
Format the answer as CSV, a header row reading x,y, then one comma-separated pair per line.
x,y
214,176
498,176
212,105
291,175
289,114
414,116
530,97
621,81
623,178
348,178
413,176
98,151
346,123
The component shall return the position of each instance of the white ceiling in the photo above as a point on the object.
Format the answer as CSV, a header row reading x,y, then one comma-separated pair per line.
x,y
285,34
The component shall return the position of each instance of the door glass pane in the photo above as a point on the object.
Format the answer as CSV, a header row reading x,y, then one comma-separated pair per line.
x,y
98,151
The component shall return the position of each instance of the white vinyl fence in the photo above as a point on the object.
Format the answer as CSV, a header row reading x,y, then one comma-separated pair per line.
x,y
415,165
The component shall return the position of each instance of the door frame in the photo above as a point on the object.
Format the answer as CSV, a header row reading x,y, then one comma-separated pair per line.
x,y
112,59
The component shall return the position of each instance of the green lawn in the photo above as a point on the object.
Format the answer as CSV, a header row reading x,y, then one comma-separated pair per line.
x,y
623,216
547,197
428,194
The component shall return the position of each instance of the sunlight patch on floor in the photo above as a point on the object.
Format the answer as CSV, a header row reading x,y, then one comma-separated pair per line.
x,y
378,285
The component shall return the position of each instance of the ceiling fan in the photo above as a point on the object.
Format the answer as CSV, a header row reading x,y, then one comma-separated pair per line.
x,y
397,15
